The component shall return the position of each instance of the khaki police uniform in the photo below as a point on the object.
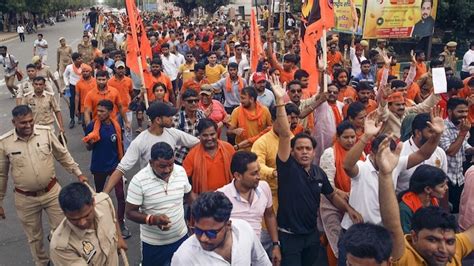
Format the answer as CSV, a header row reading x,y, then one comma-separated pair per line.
x,y
73,246
36,189
46,73
27,87
449,59
44,107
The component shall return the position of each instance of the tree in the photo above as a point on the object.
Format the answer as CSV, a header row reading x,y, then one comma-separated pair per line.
x,y
212,6
186,5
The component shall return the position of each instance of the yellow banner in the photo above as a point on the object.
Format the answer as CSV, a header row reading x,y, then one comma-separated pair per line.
x,y
344,16
399,18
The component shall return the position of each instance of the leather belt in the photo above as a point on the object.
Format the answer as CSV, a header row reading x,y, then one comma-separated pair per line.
x,y
39,192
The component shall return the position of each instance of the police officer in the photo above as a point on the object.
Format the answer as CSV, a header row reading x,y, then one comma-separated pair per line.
x,y
86,236
43,104
29,150
449,55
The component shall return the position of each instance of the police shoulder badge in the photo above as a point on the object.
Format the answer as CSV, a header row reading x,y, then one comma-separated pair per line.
x,y
88,247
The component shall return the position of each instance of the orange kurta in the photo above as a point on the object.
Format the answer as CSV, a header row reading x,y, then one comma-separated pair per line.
x,y
125,89
83,87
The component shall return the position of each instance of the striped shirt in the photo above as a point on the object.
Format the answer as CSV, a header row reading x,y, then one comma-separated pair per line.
x,y
155,196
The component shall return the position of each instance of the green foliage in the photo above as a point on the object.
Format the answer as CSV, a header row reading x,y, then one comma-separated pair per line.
x,y
186,5
455,17
211,6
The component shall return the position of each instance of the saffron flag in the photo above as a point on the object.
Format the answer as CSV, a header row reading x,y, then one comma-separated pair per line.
x,y
316,16
138,45
256,48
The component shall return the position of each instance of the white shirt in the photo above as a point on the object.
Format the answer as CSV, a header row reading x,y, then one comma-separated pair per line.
x,y
355,63
119,37
181,60
70,77
437,159
246,250
155,196
467,60
244,63
170,65
40,50
364,195
20,29
140,148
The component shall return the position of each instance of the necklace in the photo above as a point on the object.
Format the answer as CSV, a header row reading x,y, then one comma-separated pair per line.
x,y
165,187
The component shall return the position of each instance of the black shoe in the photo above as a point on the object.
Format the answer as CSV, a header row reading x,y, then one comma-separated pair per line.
x,y
71,124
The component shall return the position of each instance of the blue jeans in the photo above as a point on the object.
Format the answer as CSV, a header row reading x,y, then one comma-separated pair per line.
x,y
159,255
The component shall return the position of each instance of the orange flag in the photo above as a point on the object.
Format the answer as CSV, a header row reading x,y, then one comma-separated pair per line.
x,y
256,47
316,15
134,50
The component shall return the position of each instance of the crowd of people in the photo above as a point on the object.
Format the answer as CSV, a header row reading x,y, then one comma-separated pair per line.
x,y
241,166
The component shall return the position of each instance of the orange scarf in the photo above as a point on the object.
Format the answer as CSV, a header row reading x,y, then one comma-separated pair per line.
x,y
414,203
77,70
199,179
245,116
342,181
95,135
337,114
228,84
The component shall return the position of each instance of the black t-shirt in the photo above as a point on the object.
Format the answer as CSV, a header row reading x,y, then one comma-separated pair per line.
x,y
93,17
299,195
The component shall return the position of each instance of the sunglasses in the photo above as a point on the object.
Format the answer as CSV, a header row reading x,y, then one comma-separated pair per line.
x,y
211,234
191,101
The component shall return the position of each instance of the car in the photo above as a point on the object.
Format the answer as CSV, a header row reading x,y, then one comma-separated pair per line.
x,y
60,18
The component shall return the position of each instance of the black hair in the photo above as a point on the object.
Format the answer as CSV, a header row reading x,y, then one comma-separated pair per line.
x,y
250,91
105,50
300,73
373,54
214,205
290,58
233,65
454,83
291,108
156,61
30,66
470,82
454,102
364,86
99,61
303,136
74,197
436,63
102,73
39,34
367,240
21,110
378,140
343,126
189,93
425,176
390,78
3,47
425,1
158,84
365,62
396,84
199,66
419,52
204,124
293,82
108,104
240,160
354,109
94,43
165,45
161,150
431,218
420,122
39,78
75,56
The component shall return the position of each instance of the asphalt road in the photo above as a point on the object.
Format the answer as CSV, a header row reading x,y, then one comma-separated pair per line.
x,y
14,249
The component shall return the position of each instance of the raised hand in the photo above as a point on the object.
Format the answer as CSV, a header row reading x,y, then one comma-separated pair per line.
x,y
372,125
413,57
278,89
465,126
387,60
437,122
386,159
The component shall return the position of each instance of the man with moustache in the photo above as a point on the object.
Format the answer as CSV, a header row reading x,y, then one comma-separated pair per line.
x,y
425,26
27,86
217,239
365,90
208,164
454,142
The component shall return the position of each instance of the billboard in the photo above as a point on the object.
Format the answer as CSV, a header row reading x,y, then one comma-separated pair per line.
x,y
344,16
399,18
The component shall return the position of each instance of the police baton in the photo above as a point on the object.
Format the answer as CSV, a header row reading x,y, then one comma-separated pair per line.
x,y
61,134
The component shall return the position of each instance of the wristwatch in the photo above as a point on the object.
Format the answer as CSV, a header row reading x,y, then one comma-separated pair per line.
x,y
276,244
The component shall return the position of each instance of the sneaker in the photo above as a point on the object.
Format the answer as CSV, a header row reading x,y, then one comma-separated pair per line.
x,y
125,232
71,124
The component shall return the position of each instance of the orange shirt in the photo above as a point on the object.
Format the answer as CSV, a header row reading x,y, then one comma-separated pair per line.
x,y
152,80
95,96
379,75
193,84
83,87
97,53
125,89
413,91
420,70
347,92
215,166
333,59
287,76
464,93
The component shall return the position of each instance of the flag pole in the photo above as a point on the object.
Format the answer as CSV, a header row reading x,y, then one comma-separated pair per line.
x,y
325,58
142,77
